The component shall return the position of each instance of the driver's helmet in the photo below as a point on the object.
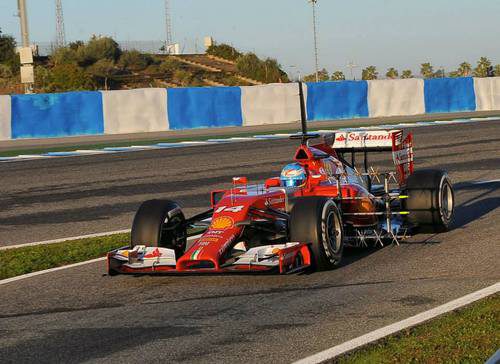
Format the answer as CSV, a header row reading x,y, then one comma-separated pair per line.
x,y
293,175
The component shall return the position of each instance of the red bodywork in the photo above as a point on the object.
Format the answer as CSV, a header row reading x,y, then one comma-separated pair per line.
x,y
234,208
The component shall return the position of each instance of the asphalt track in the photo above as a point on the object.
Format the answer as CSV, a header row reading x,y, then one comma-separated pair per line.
x,y
79,314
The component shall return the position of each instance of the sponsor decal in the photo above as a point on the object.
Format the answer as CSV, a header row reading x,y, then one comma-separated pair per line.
x,y
154,254
209,240
228,242
222,223
212,233
292,173
363,139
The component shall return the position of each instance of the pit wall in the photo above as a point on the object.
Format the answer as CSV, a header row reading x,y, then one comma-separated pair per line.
x,y
155,109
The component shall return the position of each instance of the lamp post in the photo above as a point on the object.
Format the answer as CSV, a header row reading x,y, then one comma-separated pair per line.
x,y
313,3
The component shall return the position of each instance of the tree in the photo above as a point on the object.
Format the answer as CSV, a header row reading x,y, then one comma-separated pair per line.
x,y
8,54
406,74
392,73
369,73
338,76
482,67
497,70
464,69
98,48
64,55
101,71
76,44
322,76
426,70
440,73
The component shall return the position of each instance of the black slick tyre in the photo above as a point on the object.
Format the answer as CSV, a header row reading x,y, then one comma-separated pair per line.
x,y
317,221
160,223
430,201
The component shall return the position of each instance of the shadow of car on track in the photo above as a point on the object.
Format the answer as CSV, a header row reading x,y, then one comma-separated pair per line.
x,y
478,206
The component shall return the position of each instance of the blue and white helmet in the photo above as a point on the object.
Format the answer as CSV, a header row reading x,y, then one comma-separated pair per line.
x,y
293,175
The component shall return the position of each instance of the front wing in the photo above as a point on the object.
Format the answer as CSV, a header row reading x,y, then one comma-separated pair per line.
x,y
280,258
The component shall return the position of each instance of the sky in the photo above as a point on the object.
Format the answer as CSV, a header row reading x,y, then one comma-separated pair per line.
x,y
383,33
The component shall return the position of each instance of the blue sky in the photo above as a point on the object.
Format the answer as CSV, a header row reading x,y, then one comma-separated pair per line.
x,y
384,33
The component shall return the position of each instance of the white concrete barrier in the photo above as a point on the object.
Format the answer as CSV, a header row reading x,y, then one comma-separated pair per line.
x,y
270,104
135,111
396,97
487,92
5,118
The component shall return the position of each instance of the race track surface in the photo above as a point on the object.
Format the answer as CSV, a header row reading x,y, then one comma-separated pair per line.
x,y
80,314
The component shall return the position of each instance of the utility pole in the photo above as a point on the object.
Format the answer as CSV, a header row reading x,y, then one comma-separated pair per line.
x,y
351,66
23,15
168,27
60,33
25,53
313,3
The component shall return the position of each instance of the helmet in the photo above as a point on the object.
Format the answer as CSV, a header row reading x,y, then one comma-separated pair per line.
x,y
293,175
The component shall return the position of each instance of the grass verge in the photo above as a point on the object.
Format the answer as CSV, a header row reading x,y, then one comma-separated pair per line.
x,y
18,261
468,335
24,260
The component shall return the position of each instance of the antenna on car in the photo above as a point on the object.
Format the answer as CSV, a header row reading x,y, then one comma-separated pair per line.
x,y
304,136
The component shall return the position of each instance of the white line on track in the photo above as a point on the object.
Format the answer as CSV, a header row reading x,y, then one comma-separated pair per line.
x,y
65,239
34,274
486,182
398,326
111,150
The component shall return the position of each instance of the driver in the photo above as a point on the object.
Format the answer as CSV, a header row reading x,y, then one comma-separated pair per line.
x,y
293,175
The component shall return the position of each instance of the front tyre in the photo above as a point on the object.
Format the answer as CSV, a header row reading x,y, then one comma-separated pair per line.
x,y
160,223
317,221
431,200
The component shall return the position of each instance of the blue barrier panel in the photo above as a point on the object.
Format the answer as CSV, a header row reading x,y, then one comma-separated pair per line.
x,y
337,100
449,94
204,107
54,115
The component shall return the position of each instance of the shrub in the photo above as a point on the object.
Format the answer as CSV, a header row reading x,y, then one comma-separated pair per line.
x,y
68,77
224,51
134,60
249,65
169,65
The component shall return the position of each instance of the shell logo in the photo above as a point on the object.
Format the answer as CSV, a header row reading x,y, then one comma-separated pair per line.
x,y
222,223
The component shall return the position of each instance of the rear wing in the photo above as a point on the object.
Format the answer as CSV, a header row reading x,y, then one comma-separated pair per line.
x,y
367,141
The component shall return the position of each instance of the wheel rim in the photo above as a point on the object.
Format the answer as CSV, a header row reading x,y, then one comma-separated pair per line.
x,y
446,206
333,231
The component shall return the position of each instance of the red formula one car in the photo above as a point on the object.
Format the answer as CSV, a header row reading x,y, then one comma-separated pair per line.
x,y
299,220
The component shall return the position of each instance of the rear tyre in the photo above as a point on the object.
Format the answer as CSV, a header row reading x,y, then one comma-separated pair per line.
x,y
317,220
430,201
160,223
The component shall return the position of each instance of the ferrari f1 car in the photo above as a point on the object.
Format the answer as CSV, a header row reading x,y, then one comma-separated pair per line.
x,y
299,220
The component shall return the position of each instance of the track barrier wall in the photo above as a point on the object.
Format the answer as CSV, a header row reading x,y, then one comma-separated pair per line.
x,y
158,109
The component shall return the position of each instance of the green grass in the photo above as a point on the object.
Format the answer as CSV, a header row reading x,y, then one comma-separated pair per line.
x,y
69,148
18,261
468,335
14,262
